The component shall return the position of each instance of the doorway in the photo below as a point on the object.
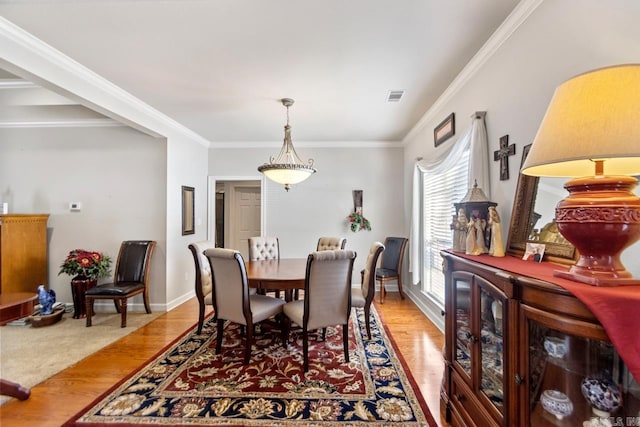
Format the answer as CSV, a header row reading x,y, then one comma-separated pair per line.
x,y
236,212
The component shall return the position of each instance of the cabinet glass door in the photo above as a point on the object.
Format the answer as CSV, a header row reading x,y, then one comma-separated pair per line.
x,y
462,305
575,380
491,348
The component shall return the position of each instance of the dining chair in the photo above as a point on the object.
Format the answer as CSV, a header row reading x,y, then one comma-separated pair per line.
x,y
264,248
331,243
391,264
363,296
327,298
203,281
131,278
232,300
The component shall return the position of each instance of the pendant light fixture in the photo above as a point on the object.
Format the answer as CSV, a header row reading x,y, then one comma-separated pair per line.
x,y
287,168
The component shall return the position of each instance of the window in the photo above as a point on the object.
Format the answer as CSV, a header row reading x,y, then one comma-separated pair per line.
x,y
440,190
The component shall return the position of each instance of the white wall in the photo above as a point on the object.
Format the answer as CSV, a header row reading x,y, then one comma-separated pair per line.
x,y
320,205
117,173
559,40
186,165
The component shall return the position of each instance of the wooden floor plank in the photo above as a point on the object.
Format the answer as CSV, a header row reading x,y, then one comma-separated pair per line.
x,y
60,397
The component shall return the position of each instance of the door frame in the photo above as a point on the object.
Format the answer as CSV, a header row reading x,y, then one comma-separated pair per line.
x,y
211,200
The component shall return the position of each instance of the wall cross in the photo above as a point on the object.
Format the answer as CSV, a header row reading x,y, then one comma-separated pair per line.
x,y
503,154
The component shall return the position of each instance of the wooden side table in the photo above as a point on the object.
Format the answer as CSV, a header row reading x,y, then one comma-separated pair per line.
x,y
78,288
16,305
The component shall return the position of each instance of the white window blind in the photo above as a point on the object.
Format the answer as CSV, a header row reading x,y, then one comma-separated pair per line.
x,y
441,189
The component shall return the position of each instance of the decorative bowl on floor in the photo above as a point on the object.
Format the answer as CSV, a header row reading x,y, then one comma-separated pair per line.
x,y
557,403
49,319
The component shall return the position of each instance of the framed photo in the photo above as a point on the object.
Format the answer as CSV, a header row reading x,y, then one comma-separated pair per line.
x,y
534,252
445,130
188,206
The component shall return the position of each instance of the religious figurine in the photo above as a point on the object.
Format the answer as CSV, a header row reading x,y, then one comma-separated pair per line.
x,y
459,227
496,247
470,242
472,246
481,226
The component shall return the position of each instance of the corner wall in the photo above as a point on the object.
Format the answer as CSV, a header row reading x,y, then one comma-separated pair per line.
x,y
118,174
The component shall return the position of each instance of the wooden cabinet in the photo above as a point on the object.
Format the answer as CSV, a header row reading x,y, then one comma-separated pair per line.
x,y
23,252
519,351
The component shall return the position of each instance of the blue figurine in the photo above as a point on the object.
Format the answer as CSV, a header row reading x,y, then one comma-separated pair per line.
x,y
46,298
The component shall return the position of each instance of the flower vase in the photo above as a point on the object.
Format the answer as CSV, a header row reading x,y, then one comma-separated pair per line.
x,y
79,285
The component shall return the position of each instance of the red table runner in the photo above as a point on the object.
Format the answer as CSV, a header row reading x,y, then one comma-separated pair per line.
x,y
617,308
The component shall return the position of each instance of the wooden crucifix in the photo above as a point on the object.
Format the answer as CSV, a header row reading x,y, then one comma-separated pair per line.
x,y
503,154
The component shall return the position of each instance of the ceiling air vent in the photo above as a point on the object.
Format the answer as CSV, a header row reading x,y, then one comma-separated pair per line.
x,y
395,95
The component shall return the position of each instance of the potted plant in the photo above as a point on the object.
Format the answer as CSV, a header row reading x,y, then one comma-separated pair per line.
x,y
86,267
358,222
84,264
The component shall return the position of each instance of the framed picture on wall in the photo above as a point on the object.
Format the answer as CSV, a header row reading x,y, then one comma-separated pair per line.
x,y
445,130
188,207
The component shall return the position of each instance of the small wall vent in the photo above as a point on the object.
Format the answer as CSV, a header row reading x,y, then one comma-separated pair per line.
x,y
395,95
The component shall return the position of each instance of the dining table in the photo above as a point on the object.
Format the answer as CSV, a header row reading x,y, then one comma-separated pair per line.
x,y
285,274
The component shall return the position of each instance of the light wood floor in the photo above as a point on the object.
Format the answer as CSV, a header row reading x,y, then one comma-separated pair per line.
x,y
60,397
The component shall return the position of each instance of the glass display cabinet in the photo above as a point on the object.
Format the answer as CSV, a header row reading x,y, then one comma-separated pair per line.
x,y
520,351
478,359
576,377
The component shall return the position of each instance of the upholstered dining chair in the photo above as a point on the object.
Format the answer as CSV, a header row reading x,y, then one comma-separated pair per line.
x,y
391,264
204,281
327,298
363,296
232,300
264,248
331,243
131,278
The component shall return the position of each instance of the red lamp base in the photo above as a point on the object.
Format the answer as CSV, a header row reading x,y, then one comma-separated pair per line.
x,y
600,217
594,280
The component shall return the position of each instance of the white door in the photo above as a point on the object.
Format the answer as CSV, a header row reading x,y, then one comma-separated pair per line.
x,y
245,217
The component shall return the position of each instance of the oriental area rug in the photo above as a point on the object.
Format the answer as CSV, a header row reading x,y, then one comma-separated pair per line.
x,y
188,384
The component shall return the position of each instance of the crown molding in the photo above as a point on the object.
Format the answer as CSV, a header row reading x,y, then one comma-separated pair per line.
x,y
25,54
79,123
308,144
516,18
16,84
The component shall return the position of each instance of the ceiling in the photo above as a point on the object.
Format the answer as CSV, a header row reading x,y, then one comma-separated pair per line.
x,y
219,67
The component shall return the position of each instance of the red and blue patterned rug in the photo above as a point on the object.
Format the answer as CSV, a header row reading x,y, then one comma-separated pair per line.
x,y
188,384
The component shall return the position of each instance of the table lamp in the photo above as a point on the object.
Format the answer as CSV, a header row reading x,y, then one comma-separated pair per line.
x,y
591,133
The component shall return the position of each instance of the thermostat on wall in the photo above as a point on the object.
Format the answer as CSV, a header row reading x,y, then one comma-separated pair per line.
x,y
75,206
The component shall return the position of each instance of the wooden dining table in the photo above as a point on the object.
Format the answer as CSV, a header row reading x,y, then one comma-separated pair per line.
x,y
286,274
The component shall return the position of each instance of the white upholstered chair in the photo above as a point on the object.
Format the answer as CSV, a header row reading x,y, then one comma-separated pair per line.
x,y
363,296
327,297
232,300
331,243
264,248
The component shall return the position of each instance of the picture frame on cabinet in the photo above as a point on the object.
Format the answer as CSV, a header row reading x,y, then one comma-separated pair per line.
x,y
445,130
188,206
534,252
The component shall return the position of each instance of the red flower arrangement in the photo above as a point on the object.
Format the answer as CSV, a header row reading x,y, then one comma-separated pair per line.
x,y
89,264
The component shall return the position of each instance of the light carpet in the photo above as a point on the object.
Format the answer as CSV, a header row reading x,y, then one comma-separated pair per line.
x,y
31,355
187,383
